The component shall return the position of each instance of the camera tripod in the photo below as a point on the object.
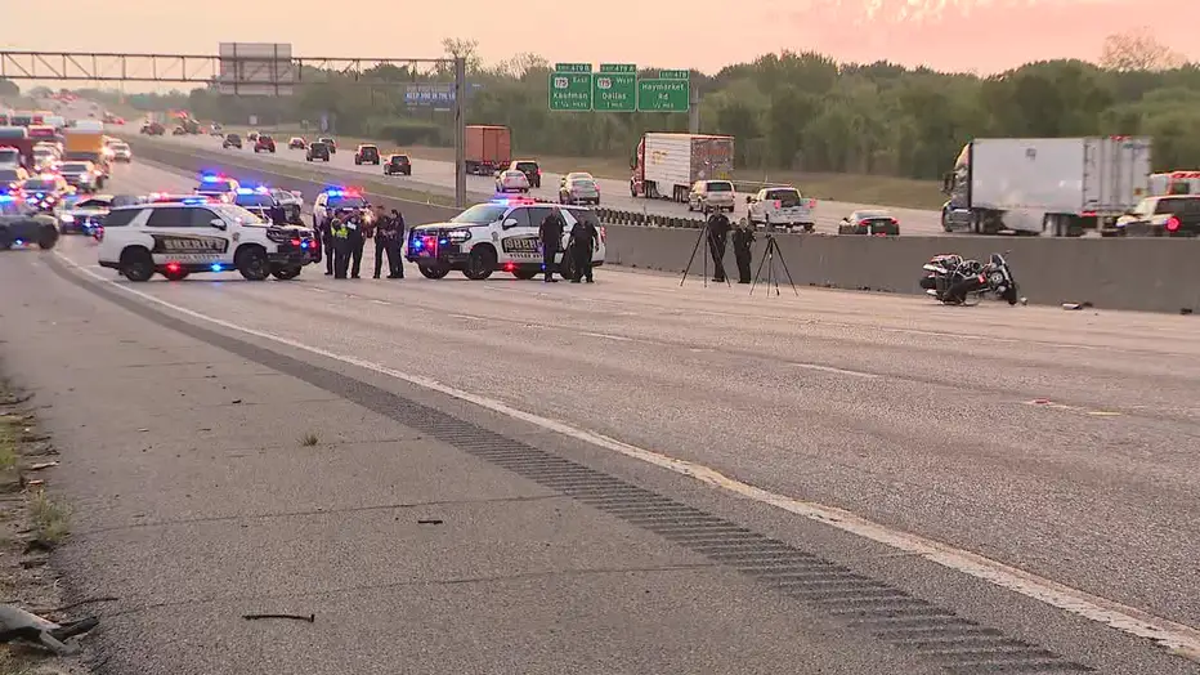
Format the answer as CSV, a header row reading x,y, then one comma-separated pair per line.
x,y
768,259
705,235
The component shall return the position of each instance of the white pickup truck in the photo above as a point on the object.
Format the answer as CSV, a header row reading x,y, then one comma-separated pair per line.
x,y
781,207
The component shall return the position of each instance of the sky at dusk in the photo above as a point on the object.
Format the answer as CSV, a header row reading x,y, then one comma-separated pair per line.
x,y
983,36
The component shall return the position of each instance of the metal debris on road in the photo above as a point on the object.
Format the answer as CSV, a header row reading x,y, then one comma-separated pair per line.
x,y
311,618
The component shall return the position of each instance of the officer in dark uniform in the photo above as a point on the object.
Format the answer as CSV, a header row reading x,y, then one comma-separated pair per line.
x,y
339,236
325,243
399,231
743,237
359,233
550,232
584,240
718,233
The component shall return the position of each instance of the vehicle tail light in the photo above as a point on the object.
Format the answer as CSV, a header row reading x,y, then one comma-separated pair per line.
x,y
296,242
812,203
603,234
895,222
1172,224
172,267
779,203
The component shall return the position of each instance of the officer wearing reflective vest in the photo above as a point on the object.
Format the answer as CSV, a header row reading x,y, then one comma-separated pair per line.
x,y
340,234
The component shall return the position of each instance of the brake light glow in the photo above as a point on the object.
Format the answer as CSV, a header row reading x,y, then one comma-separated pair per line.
x,y
1173,224
296,242
173,267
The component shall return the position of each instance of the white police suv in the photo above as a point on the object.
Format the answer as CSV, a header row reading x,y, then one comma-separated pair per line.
x,y
498,235
199,235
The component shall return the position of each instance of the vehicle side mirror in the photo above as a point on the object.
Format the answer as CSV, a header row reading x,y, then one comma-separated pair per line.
x,y
218,223
511,222
749,199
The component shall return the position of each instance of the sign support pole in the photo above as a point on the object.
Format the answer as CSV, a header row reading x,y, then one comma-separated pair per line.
x,y
460,132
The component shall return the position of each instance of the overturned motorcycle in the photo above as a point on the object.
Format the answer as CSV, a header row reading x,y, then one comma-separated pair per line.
x,y
955,281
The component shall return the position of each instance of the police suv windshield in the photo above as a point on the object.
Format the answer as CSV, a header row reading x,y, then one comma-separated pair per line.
x,y
481,214
347,202
91,204
215,186
235,212
40,185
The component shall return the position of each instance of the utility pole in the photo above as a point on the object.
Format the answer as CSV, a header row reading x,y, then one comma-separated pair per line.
x,y
460,132
694,112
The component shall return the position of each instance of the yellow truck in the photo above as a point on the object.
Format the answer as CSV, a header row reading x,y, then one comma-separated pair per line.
x,y
85,143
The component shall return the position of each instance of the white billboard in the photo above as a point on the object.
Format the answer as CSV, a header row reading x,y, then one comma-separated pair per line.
x,y
256,69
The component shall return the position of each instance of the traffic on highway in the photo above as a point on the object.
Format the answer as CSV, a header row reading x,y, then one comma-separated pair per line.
x,y
465,469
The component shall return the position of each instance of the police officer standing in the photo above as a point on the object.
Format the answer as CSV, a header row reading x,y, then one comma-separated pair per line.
x,y
325,237
584,240
718,233
339,235
398,231
386,243
359,233
743,237
550,232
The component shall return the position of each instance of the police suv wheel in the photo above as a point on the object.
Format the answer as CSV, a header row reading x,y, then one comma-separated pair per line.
x,y
480,264
524,274
6,241
47,239
137,265
252,263
433,271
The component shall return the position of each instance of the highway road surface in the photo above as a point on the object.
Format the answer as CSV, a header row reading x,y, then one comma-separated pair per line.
x,y
503,477
438,177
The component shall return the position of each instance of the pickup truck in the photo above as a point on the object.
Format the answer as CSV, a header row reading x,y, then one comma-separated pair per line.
x,y
781,207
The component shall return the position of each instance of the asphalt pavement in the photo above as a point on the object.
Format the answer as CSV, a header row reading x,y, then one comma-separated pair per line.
x,y
1056,442
438,178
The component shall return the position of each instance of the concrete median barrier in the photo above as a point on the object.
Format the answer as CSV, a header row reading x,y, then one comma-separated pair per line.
x,y
1132,274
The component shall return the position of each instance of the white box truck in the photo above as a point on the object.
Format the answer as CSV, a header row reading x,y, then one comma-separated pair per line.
x,y
1059,186
666,165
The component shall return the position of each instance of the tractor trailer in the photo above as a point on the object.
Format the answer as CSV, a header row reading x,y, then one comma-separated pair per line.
x,y
1059,186
665,166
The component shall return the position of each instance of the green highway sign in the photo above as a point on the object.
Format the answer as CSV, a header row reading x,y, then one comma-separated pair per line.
x,y
572,67
618,68
664,95
614,92
674,75
571,91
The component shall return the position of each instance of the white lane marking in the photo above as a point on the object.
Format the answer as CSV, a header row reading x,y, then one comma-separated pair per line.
x,y
1177,638
605,336
317,290
468,317
831,369
382,302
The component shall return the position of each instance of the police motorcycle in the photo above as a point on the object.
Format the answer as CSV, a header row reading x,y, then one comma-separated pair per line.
x,y
953,280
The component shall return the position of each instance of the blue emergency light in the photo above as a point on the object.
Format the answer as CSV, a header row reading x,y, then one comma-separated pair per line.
x,y
213,178
7,198
216,267
192,201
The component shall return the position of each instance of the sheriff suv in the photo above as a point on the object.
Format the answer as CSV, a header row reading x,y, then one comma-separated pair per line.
x,y
499,235
196,235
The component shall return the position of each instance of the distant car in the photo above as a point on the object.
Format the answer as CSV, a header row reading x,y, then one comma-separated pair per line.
x,y
317,150
366,154
20,224
215,130
122,153
573,175
707,196
264,143
232,141
297,143
512,180
11,178
179,131
84,176
219,186
252,137
44,157
875,222
153,129
397,164
328,140
580,191
529,167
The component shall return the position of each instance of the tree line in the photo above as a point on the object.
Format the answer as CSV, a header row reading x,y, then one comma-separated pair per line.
x,y
795,111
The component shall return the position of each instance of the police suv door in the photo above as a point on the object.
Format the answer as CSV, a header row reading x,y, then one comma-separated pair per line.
x,y
536,215
186,235
519,239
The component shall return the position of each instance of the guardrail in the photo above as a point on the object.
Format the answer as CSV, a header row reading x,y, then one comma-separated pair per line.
x,y
1148,274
